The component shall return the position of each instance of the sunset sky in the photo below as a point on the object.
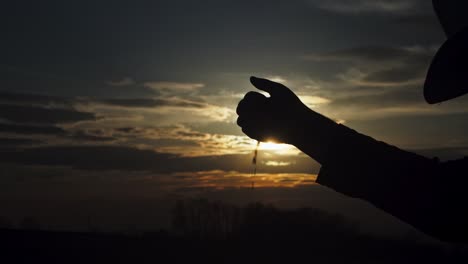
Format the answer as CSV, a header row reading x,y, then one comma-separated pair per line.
x,y
111,109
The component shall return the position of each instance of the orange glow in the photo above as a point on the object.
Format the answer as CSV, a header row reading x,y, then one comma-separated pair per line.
x,y
218,179
281,149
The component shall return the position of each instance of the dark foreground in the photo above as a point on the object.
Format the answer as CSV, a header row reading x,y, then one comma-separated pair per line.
x,y
67,247
212,232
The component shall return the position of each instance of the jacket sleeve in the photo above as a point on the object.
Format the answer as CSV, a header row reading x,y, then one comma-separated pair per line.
x,y
413,188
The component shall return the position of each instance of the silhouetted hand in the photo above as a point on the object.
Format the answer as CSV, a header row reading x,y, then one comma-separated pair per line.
x,y
271,118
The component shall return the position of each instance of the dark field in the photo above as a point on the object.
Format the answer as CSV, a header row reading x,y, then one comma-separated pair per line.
x,y
207,232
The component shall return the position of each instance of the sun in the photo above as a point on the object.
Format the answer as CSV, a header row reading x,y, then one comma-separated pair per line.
x,y
276,147
271,145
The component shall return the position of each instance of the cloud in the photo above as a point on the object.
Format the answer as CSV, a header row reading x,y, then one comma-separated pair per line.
x,y
203,143
219,179
52,134
71,103
371,6
17,142
35,99
31,130
88,157
314,101
277,79
123,82
379,66
163,110
174,86
427,22
375,54
392,77
153,103
394,103
86,136
165,135
42,115
393,98
118,158
277,163
374,82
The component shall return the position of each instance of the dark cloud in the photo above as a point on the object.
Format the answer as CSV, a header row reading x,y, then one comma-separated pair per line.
x,y
378,76
31,130
419,132
81,135
132,131
375,81
89,157
17,142
191,134
126,81
151,103
131,159
404,96
401,74
429,21
375,54
394,7
126,129
33,99
222,128
42,115
56,102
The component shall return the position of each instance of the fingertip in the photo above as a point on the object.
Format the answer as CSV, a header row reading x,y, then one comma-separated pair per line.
x,y
259,83
239,121
253,79
266,85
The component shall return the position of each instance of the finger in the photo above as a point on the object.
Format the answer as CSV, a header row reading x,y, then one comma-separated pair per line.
x,y
240,121
252,121
248,123
251,103
251,133
273,88
254,134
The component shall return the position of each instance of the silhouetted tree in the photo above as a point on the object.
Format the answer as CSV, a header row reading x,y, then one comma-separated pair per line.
x,y
203,219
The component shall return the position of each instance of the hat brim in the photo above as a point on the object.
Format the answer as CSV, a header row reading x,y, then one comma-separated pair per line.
x,y
447,77
451,14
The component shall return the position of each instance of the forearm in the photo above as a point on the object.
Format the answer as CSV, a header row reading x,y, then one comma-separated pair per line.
x,y
322,138
401,183
360,166
332,144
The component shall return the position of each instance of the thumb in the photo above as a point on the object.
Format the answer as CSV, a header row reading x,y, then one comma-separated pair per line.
x,y
273,88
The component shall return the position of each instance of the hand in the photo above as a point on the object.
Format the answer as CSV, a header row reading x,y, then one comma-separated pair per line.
x,y
274,118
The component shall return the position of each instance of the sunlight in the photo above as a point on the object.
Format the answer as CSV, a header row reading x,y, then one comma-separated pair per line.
x,y
281,149
270,145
